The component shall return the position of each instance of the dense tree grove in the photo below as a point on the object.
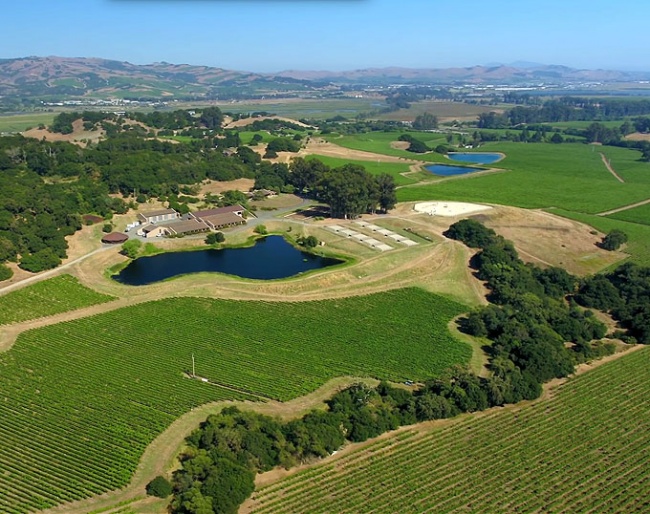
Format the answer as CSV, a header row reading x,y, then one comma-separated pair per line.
x,y
614,239
569,108
625,294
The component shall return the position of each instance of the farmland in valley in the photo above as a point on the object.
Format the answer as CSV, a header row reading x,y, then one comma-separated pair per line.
x,y
584,448
58,294
82,399
380,142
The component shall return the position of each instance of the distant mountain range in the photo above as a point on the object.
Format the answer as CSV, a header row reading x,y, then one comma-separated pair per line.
x,y
62,77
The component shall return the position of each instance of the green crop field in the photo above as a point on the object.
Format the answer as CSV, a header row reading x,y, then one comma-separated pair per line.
x,y
585,449
81,400
20,122
639,214
380,142
448,110
395,169
568,176
58,294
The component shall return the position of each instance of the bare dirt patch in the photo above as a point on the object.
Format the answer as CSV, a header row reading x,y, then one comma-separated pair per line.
x,y
217,187
638,136
248,121
319,146
400,145
77,136
544,239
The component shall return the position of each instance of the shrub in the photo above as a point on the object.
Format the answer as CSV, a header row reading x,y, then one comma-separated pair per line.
x,y
614,240
261,230
159,487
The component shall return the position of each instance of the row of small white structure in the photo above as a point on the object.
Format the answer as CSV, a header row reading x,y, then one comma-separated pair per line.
x,y
369,240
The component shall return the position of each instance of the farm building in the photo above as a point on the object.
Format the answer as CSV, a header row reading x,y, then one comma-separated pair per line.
x,y
191,226
115,238
153,231
235,209
224,220
158,216
221,217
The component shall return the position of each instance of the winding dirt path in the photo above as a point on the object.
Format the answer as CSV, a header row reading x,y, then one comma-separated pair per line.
x,y
608,165
159,456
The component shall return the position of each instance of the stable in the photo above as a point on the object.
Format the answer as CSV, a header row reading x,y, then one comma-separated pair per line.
x,y
183,228
158,216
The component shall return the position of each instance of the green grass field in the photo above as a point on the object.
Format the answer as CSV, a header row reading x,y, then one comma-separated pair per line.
x,y
585,449
58,294
380,142
568,176
394,169
20,122
83,399
444,110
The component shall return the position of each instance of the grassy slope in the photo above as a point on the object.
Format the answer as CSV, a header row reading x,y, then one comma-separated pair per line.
x,y
20,122
82,399
380,142
584,449
638,245
58,294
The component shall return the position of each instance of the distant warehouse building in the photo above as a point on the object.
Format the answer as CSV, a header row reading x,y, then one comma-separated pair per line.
x,y
158,216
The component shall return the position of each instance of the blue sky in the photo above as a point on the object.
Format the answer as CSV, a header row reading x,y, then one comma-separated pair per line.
x,y
274,35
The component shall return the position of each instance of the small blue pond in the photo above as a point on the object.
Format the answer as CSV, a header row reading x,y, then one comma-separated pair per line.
x,y
475,158
270,258
445,170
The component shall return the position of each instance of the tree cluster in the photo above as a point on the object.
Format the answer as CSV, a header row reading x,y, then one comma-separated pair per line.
x,y
625,294
415,145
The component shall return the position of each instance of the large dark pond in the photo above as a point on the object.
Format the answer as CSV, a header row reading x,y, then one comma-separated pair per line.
x,y
271,257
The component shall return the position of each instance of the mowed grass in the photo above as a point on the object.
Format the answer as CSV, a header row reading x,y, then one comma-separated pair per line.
x,y
584,449
59,294
81,400
638,245
20,122
380,143
567,176
394,169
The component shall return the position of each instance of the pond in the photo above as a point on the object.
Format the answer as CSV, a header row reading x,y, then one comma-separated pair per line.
x,y
270,258
444,170
475,158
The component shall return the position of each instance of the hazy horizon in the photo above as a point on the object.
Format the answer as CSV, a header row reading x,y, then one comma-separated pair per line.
x,y
332,35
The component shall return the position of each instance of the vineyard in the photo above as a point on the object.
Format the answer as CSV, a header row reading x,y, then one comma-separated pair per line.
x,y
82,399
58,294
584,449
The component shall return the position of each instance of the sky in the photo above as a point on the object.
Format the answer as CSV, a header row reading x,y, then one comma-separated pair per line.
x,y
336,35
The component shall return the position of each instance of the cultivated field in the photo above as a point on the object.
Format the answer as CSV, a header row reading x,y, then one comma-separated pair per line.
x,y
383,143
582,448
58,294
20,122
568,176
83,399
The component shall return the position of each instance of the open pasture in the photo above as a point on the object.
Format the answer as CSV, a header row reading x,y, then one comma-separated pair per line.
x,y
83,399
59,294
584,448
568,176
306,108
20,122
638,245
380,143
